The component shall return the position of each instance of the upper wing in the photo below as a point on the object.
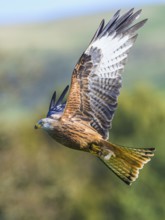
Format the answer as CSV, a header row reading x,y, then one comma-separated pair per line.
x,y
96,79
57,108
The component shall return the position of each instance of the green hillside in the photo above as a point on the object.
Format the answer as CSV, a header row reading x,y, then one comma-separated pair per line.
x,y
40,179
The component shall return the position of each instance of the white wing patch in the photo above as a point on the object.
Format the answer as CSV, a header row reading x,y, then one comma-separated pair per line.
x,y
113,51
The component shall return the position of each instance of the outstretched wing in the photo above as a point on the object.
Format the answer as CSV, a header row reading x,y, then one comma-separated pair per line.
x,y
97,79
57,108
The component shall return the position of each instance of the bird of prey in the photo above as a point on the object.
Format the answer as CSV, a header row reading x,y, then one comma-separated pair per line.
x,y
84,120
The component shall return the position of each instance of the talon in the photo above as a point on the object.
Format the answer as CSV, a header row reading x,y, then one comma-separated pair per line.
x,y
94,149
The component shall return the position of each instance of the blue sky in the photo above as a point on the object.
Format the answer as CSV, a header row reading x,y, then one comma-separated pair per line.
x,y
18,11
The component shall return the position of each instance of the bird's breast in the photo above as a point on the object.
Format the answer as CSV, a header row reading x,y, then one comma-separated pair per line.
x,y
76,135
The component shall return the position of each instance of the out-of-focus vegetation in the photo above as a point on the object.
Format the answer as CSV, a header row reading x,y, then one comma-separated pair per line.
x,y
40,179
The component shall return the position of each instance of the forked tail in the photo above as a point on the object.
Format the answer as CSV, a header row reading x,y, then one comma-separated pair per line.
x,y
123,161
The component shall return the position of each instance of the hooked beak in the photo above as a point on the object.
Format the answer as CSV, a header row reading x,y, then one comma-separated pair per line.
x,y
38,125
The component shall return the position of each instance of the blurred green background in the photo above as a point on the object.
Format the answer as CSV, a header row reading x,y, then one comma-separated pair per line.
x,y
40,179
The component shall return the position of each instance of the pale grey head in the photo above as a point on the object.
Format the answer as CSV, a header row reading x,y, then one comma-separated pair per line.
x,y
46,124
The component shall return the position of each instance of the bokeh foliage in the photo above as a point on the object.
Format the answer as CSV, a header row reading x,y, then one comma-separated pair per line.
x,y
40,179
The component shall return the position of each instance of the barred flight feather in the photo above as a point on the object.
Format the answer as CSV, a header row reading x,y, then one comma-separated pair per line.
x,y
97,76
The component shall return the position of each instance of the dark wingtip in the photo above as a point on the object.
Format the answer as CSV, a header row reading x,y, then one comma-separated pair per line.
x,y
59,105
144,21
98,31
121,24
67,87
53,100
62,95
118,12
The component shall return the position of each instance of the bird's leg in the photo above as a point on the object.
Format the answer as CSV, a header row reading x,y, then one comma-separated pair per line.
x,y
95,150
101,152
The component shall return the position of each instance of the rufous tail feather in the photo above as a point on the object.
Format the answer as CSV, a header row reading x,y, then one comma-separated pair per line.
x,y
125,162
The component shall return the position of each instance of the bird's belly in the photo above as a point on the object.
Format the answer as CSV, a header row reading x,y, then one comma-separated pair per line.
x,y
66,141
79,138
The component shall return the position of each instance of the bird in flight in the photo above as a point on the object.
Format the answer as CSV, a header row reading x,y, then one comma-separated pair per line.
x,y
84,120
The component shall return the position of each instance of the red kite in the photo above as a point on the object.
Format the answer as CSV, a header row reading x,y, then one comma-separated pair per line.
x,y
83,122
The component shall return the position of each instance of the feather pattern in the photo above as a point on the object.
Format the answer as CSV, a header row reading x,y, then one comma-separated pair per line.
x,y
97,77
57,108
